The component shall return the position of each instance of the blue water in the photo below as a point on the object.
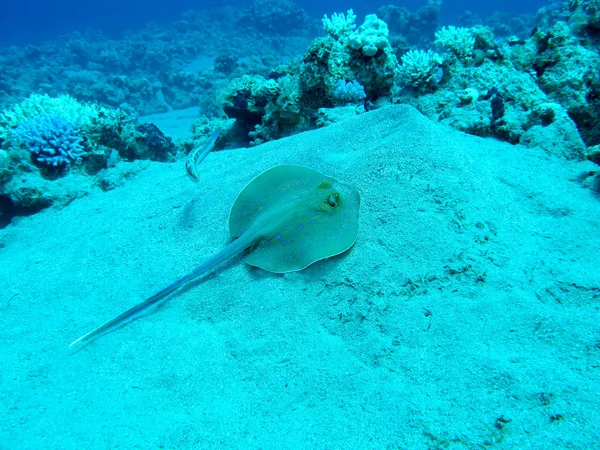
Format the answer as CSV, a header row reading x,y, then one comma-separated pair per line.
x,y
24,22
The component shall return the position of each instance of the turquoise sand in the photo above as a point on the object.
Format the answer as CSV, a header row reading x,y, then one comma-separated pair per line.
x,y
464,316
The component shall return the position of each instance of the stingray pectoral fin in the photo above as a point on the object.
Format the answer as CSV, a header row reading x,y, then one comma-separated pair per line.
x,y
232,249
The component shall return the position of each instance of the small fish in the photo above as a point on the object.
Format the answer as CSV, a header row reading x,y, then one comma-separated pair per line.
x,y
197,155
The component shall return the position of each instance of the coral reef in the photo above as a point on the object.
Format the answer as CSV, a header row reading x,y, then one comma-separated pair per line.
x,y
157,69
460,41
45,140
420,70
536,92
289,102
59,131
53,140
567,72
152,144
541,91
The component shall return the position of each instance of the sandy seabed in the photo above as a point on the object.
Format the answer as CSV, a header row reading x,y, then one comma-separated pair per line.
x,y
465,315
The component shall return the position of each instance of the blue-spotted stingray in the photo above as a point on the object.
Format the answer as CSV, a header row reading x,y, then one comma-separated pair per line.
x,y
286,218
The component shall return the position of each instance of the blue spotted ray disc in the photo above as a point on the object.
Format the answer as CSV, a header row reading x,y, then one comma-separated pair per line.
x,y
297,215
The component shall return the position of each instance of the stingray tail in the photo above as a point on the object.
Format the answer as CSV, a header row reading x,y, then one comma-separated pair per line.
x,y
132,313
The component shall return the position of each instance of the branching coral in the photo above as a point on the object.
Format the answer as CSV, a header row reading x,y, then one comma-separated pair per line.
x,y
52,140
340,25
36,105
419,69
459,41
97,124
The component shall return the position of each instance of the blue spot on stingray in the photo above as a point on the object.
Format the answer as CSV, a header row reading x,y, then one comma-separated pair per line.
x,y
283,242
278,236
300,227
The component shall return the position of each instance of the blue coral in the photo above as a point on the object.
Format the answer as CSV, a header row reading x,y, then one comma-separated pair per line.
x,y
53,140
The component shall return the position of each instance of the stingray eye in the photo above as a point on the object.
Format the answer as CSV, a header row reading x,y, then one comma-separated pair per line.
x,y
333,200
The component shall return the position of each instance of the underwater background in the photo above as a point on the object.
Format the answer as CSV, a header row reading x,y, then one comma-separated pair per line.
x,y
28,22
277,224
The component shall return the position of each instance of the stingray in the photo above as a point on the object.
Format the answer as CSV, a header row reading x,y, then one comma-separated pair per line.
x,y
286,218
